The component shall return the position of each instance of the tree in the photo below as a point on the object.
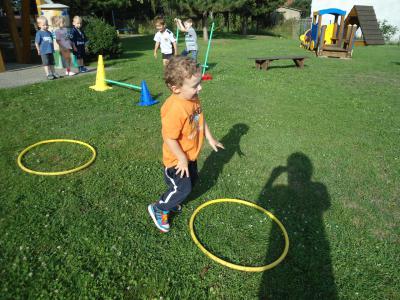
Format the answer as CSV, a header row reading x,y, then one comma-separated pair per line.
x,y
304,6
387,30
257,9
96,6
200,9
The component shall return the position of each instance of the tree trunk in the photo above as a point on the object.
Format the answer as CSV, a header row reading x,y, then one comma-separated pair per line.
x,y
257,24
226,19
205,25
244,25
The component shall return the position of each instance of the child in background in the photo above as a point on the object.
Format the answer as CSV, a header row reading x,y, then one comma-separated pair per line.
x,y
45,48
79,42
63,39
183,131
164,39
190,37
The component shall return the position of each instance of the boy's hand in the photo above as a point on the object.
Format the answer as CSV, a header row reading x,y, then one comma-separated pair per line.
x,y
155,54
38,52
215,144
182,167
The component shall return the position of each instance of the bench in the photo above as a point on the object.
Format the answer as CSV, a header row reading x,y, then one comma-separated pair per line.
x,y
262,63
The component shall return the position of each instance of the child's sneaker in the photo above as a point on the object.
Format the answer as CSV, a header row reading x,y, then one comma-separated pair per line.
x,y
83,69
160,217
70,73
56,76
50,77
176,209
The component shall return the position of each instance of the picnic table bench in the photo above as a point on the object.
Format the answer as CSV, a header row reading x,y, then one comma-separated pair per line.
x,y
262,63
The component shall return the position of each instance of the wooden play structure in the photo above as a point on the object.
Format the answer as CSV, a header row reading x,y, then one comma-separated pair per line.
x,y
21,40
2,66
22,45
364,17
333,40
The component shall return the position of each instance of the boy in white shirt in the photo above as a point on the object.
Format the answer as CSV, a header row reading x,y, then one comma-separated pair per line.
x,y
164,39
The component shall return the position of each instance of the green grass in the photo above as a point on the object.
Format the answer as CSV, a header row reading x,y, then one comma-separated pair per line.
x,y
88,235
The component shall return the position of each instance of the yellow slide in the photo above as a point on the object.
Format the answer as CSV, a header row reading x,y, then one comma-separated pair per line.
x,y
307,43
329,34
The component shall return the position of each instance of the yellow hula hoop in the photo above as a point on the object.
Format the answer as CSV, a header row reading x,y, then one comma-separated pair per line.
x,y
19,159
226,263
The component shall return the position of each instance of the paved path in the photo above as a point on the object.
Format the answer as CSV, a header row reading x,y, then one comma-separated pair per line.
x,y
22,74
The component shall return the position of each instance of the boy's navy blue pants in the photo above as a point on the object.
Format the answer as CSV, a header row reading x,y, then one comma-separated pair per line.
x,y
178,188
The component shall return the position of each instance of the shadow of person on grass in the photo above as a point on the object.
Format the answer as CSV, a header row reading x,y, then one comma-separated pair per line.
x,y
306,272
214,164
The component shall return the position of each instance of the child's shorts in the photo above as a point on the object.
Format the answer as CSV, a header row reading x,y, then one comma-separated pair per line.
x,y
193,54
47,59
167,56
80,53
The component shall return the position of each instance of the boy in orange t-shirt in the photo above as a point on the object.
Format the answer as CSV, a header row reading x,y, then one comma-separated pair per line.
x,y
183,131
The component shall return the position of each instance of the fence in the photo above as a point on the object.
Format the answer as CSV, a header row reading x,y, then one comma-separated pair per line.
x,y
300,26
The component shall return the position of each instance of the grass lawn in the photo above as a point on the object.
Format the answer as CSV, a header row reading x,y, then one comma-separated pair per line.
x,y
318,147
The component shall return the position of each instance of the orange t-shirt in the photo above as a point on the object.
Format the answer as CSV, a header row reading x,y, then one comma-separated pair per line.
x,y
182,120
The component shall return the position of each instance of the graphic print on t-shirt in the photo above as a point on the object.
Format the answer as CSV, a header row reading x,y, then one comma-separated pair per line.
x,y
194,122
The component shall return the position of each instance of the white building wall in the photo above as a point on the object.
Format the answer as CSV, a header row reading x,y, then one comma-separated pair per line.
x,y
289,13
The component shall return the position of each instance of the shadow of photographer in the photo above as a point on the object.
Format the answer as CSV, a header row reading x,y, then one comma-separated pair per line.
x,y
306,272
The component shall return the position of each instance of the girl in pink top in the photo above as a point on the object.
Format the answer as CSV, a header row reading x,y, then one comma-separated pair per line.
x,y
63,40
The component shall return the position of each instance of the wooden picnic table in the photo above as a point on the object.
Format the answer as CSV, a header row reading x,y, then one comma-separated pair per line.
x,y
262,63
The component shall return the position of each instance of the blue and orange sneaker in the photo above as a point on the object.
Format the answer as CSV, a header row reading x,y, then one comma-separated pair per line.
x,y
160,217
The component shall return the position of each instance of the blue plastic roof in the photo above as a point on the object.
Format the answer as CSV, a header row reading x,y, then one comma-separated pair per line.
x,y
332,11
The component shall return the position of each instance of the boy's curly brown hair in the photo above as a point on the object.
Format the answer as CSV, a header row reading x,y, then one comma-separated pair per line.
x,y
159,20
178,69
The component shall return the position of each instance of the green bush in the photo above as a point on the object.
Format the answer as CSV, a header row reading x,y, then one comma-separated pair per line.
x,y
103,38
146,27
287,29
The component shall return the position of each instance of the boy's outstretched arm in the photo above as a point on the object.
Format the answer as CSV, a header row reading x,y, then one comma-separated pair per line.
x,y
182,166
175,49
155,49
211,140
180,25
